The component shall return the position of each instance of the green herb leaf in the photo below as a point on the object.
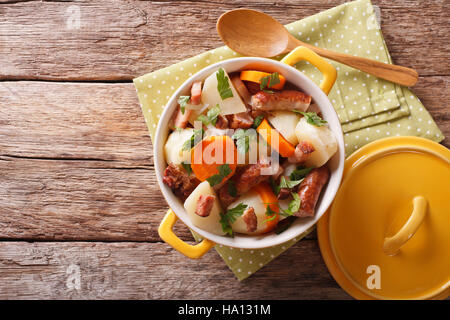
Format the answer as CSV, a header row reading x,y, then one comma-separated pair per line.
x,y
187,167
257,121
270,213
300,172
193,140
223,86
294,205
269,81
226,219
211,116
243,138
182,101
224,171
232,191
312,118
289,183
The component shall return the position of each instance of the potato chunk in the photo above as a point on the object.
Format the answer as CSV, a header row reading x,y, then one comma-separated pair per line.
x,y
251,199
173,149
322,139
285,122
211,223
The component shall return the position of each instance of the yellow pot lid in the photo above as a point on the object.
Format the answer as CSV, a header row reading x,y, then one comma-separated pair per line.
x,y
387,233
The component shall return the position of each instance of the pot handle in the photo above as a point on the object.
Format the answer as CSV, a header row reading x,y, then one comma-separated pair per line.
x,y
392,244
328,71
191,251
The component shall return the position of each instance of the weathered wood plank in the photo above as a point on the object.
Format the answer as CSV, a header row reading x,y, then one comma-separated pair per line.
x,y
153,271
119,40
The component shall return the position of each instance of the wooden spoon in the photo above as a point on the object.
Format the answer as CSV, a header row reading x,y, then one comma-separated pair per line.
x,y
253,33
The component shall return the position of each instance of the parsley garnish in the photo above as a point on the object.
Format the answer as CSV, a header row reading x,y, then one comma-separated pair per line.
x,y
312,118
269,81
187,167
289,183
232,191
257,121
243,139
224,171
294,205
193,140
211,116
270,213
226,219
299,173
182,101
223,86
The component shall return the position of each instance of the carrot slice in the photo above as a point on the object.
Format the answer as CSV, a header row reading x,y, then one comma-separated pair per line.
x,y
255,76
284,147
211,153
269,199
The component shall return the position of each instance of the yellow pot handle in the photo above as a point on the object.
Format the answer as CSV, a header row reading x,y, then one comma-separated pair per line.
x,y
392,244
328,71
166,233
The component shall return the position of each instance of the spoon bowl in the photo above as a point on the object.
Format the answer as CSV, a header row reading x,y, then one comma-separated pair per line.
x,y
256,34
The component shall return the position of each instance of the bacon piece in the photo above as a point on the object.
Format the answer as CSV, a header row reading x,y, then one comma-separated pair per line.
x,y
283,194
241,89
280,100
222,122
249,177
252,87
309,191
196,92
250,219
204,205
303,151
182,119
179,181
241,120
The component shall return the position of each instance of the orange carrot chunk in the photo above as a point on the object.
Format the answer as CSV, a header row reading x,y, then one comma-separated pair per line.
x,y
275,139
256,76
270,200
211,153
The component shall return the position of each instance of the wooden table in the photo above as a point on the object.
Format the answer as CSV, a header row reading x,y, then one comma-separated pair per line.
x,y
78,194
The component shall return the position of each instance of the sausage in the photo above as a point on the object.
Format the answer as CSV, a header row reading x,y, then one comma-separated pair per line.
x,y
280,100
252,87
250,219
303,151
204,205
181,183
196,92
309,191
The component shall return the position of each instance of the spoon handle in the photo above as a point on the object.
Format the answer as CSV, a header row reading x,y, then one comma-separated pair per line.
x,y
398,74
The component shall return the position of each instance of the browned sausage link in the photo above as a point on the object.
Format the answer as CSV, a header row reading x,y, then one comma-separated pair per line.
x,y
303,151
179,181
280,100
204,205
247,179
309,191
250,219
222,122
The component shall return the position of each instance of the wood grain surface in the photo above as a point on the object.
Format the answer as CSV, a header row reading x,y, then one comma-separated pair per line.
x,y
77,186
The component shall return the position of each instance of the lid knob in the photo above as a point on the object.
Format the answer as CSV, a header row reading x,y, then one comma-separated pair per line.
x,y
393,244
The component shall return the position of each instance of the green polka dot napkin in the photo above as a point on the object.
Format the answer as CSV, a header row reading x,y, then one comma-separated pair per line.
x,y
368,108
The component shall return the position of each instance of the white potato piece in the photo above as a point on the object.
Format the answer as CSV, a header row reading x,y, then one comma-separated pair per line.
x,y
173,149
210,223
211,96
285,122
251,199
322,138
